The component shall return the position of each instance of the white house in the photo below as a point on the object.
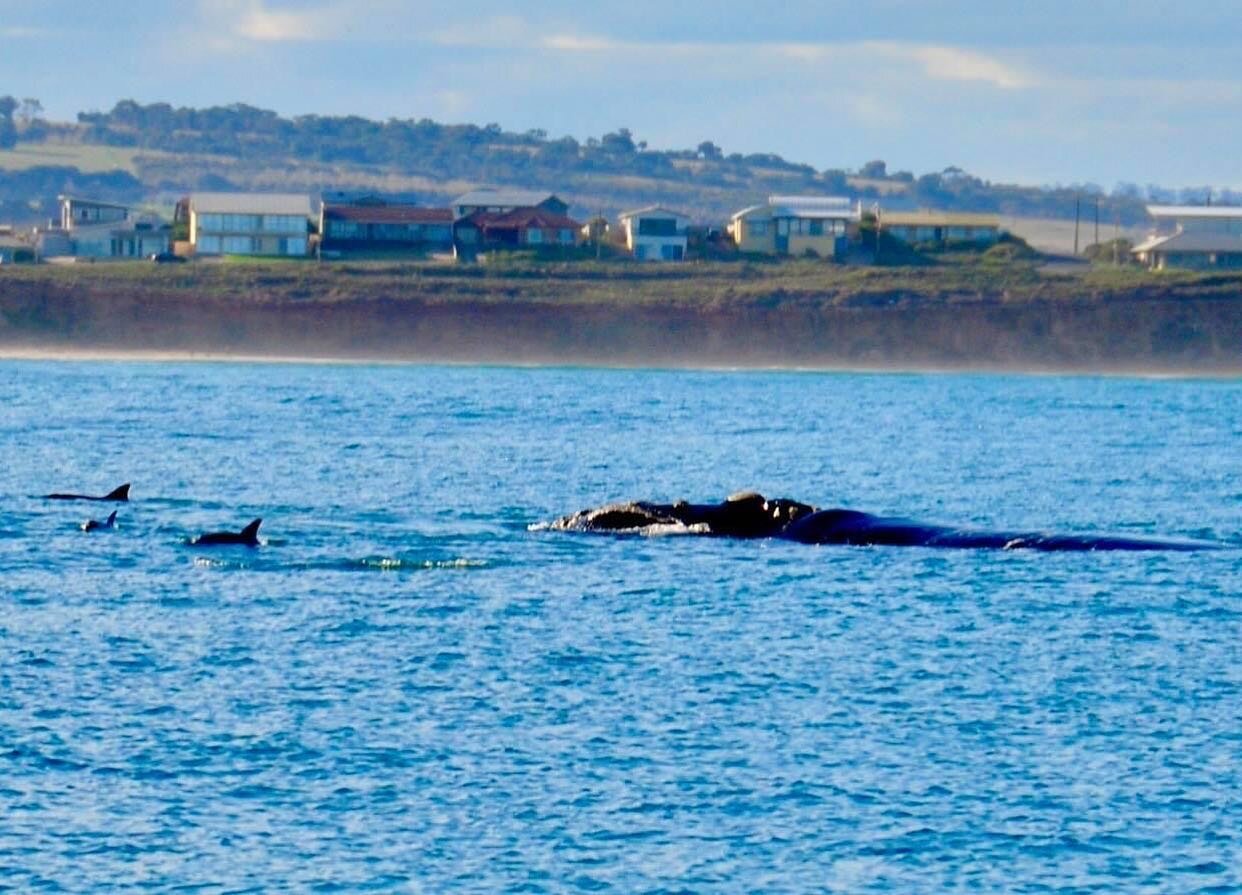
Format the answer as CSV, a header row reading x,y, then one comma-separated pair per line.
x,y
1192,236
274,224
655,233
91,229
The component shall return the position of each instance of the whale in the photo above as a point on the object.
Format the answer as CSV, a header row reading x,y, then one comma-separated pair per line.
x,y
95,524
247,537
119,494
751,515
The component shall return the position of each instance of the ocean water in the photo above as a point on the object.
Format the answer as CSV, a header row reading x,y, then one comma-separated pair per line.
x,y
407,688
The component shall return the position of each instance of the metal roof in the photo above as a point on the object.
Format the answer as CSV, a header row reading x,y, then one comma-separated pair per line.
x,y
937,219
835,203
388,214
251,203
521,218
1191,242
652,211
806,207
1195,211
489,198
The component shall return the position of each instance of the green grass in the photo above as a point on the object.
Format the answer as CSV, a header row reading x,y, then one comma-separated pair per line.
x,y
87,159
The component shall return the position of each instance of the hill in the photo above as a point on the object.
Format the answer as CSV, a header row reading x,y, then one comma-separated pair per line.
x,y
164,151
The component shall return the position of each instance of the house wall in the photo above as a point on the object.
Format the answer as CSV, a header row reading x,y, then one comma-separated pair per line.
x,y
755,234
85,214
248,234
109,242
648,247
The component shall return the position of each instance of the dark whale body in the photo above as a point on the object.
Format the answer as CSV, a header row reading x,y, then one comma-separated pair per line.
x,y
116,494
750,515
247,537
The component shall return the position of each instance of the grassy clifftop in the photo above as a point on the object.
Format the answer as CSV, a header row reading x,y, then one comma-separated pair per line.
x,y
960,316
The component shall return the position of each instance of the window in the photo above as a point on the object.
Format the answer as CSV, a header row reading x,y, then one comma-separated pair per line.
x,y
782,226
817,228
295,245
657,227
534,236
209,245
567,237
671,252
237,245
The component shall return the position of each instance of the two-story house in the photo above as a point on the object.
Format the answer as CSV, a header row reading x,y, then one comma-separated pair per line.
x,y
655,233
274,224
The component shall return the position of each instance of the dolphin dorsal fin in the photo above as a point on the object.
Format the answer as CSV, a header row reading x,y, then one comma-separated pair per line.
x,y
252,530
112,519
121,493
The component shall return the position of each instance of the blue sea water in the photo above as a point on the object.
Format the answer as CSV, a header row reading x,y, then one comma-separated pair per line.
x,y
409,688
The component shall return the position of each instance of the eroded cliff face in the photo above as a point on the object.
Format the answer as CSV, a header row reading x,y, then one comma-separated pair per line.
x,y
1169,331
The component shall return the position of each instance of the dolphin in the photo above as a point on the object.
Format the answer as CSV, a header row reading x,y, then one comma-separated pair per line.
x,y
751,515
248,537
95,524
117,494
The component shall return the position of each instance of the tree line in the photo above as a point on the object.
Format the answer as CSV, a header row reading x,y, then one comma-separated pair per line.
x,y
258,138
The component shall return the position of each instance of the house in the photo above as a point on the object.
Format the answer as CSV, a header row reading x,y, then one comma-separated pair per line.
x,y
495,201
102,230
795,225
521,228
376,226
78,213
655,233
274,224
13,249
1192,236
940,227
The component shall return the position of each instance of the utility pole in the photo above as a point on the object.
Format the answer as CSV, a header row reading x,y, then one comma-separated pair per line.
x,y
1077,216
1097,220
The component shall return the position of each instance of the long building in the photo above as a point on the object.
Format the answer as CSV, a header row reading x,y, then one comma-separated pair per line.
x,y
795,225
375,226
1192,236
273,224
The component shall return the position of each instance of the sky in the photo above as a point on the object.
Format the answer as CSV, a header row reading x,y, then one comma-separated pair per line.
x,y
1042,92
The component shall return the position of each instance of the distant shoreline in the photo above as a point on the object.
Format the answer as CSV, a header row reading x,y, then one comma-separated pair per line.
x,y
777,317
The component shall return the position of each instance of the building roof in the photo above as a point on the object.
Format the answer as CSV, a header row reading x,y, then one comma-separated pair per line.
x,y
78,200
937,219
653,211
388,214
522,219
489,198
812,207
1195,211
1191,242
251,203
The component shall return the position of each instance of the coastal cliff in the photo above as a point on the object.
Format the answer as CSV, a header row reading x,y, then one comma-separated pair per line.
x,y
730,315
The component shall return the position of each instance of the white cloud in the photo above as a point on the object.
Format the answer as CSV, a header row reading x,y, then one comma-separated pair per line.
x,y
18,32
940,63
954,64
229,24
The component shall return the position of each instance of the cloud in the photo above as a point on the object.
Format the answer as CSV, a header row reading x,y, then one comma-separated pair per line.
x,y
937,62
229,24
954,64
18,32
